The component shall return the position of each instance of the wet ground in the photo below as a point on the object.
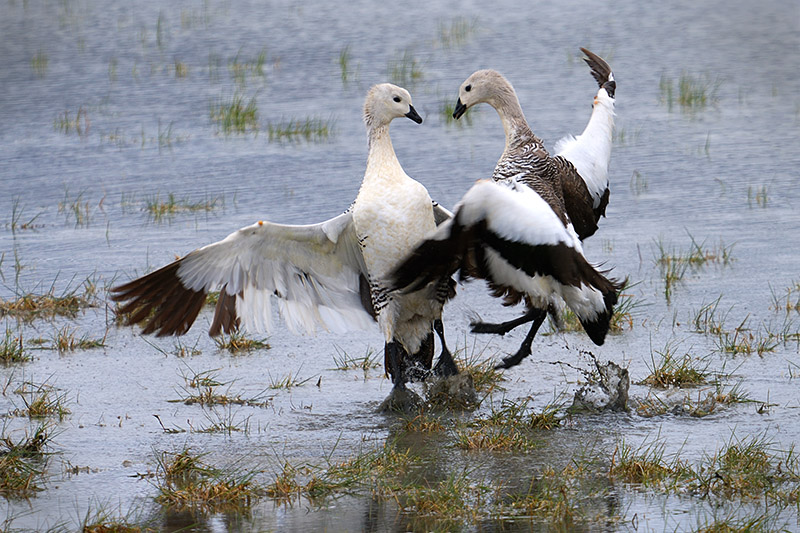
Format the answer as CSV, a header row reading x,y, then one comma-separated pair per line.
x,y
107,111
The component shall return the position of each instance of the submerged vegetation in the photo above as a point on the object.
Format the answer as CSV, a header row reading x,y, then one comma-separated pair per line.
x,y
675,263
405,69
309,129
691,93
159,208
457,32
39,64
67,124
235,115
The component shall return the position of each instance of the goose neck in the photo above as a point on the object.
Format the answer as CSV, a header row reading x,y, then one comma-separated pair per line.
x,y
381,152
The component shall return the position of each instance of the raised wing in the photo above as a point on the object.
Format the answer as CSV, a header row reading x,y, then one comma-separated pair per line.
x,y
508,235
313,271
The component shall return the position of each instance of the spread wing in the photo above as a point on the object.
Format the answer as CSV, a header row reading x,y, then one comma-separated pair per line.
x,y
315,272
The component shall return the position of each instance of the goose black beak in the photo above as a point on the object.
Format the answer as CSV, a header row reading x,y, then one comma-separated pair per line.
x,y
413,115
460,110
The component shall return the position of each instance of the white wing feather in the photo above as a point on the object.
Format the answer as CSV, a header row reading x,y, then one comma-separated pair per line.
x,y
313,271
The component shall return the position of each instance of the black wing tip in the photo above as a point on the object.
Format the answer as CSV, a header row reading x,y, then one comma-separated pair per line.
x,y
159,302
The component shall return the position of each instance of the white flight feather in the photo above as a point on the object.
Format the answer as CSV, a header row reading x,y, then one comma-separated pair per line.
x,y
306,267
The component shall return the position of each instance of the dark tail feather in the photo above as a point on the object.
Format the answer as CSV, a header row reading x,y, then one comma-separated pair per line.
x,y
601,71
597,329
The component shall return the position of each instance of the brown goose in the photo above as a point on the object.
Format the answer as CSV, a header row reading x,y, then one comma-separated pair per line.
x,y
575,180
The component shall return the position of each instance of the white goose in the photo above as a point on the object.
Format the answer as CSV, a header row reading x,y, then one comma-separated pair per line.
x,y
575,180
326,275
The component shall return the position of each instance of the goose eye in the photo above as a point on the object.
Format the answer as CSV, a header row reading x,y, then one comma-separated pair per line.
x,y
396,99
468,88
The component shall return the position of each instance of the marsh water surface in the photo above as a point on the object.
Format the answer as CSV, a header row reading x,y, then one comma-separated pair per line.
x,y
115,157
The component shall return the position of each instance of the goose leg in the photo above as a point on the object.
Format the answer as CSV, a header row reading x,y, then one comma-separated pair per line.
x,y
392,354
504,327
537,316
446,366
401,398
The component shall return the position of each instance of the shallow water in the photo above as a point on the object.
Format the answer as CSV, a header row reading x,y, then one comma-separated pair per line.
x,y
724,176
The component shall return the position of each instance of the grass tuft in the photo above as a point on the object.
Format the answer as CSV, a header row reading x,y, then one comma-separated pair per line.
x,y
158,209
457,32
310,129
343,361
690,93
41,401
743,341
240,68
12,349
288,382
66,340
235,115
423,422
68,303
644,465
75,207
446,109
759,195
405,70
185,481
22,463
17,222
39,64
202,388
67,124
511,427
237,343
485,378
377,471
345,68
673,370
674,263
790,301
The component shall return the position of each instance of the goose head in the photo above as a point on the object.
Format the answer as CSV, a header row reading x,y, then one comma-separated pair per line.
x,y
386,102
487,86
